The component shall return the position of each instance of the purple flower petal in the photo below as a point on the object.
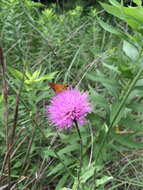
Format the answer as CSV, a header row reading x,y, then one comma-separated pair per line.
x,y
68,106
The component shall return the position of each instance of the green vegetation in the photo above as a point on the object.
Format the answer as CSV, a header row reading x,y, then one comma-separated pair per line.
x,y
100,51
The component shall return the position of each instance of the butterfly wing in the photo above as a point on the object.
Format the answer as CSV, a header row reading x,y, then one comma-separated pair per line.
x,y
58,88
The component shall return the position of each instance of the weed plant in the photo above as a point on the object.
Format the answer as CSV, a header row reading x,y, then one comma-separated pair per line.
x,y
39,45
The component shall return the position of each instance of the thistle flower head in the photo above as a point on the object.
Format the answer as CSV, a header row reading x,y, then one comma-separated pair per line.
x,y
68,106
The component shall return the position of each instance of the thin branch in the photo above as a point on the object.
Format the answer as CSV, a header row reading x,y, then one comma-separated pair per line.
x,y
19,145
10,148
6,107
4,187
29,146
15,119
14,186
19,93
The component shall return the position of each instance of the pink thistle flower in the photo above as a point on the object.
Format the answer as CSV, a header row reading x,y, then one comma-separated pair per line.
x,y
68,106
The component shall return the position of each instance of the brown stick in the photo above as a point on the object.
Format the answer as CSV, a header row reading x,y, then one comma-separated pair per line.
x,y
19,145
30,144
18,95
15,119
5,91
7,153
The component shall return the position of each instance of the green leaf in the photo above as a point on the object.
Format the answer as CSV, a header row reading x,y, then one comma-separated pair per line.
x,y
114,10
138,107
128,123
126,70
30,4
114,112
74,187
43,95
117,148
103,180
1,98
48,76
111,67
17,74
132,15
28,74
127,141
62,181
114,2
138,2
109,83
88,174
112,29
59,167
34,78
17,164
130,50
95,119
98,99
69,148
48,153
36,74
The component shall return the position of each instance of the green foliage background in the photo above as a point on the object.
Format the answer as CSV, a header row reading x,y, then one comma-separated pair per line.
x,y
104,56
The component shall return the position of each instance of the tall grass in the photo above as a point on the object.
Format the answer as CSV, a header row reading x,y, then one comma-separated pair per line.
x,y
40,45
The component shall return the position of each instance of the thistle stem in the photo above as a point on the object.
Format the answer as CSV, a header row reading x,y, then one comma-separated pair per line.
x,y
81,151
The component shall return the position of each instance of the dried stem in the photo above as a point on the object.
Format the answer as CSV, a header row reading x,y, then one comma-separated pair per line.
x,y
30,145
18,146
19,93
15,119
5,91
7,153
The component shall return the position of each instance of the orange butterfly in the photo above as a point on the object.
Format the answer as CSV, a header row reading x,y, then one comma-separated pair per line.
x,y
57,87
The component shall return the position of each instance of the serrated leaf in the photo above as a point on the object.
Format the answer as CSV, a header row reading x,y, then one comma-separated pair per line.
x,y
112,29
132,15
